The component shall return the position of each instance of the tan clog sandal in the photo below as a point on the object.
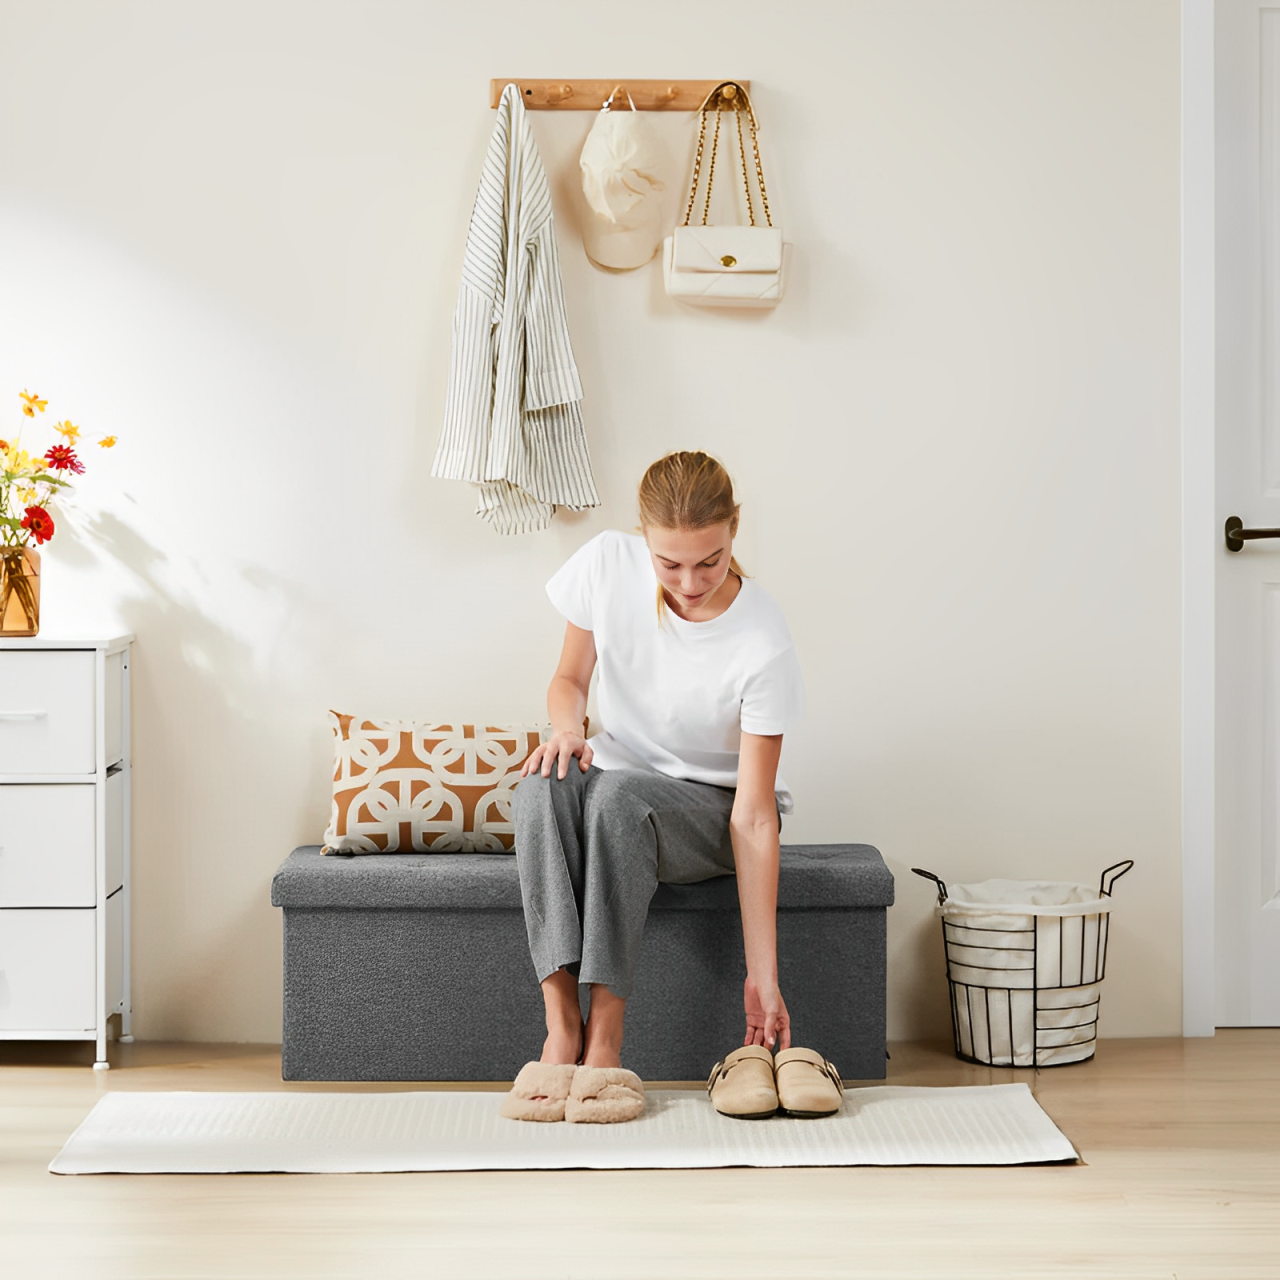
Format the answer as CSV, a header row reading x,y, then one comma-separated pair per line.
x,y
604,1095
742,1085
539,1092
809,1086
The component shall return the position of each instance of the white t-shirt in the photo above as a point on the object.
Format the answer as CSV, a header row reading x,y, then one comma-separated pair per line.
x,y
677,697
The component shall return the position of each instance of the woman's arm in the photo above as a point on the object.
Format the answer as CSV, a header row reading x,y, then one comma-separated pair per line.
x,y
753,828
567,705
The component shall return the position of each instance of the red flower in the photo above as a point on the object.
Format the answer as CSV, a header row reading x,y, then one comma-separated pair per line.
x,y
62,457
39,523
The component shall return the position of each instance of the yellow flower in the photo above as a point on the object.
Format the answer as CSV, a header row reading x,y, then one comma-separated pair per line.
x,y
68,431
31,403
19,462
28,497
108,442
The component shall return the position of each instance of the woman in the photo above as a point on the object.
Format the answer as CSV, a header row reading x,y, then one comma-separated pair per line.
x,y
683,783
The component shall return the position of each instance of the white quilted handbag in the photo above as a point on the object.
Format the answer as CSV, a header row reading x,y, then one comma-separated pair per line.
x,y
726,265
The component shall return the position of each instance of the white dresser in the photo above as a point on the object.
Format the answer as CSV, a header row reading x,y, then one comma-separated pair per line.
x,y
64,839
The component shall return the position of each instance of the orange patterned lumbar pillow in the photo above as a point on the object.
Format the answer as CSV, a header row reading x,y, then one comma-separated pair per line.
x,y
400,786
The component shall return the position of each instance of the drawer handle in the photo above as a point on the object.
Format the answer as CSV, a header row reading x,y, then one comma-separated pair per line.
x,y
23,715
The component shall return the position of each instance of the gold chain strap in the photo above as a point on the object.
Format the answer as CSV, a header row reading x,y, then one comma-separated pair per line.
x,y
746,181
755,147
738,103
697,166
711,169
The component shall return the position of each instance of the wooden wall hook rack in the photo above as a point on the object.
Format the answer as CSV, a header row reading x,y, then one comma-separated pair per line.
x,y
591,95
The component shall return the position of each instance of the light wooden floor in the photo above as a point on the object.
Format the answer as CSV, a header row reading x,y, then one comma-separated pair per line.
x,y
1181,1140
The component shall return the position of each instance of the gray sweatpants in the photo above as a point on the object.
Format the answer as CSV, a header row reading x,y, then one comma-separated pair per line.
x,y
591,849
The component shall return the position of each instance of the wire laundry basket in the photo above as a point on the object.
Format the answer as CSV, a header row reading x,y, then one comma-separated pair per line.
x,y
1025,962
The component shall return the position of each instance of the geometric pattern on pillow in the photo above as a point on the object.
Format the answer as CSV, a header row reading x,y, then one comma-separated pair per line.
x,y
403,786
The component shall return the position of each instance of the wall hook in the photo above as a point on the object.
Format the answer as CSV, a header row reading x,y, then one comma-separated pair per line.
x,y
587,95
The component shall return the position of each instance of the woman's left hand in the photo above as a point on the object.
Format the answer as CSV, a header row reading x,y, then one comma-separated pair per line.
x,y
767,1016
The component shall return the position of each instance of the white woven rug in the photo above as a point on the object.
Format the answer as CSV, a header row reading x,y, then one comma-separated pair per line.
x,y
403,1132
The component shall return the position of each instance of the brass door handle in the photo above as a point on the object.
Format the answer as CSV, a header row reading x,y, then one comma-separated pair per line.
x,y
1237,534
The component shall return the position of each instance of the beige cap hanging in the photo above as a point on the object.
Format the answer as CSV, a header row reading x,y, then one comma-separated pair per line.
x,y
623,221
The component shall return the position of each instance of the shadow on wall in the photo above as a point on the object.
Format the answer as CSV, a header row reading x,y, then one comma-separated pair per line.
x,y
210,823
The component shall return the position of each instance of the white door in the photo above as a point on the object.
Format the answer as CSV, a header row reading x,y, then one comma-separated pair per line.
x,y
1247,148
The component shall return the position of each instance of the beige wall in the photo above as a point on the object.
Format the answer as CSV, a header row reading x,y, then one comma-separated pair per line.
x,y
232,234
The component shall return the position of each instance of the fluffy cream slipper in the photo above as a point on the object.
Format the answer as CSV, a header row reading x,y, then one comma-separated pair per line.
x,y
539,1092
604,1095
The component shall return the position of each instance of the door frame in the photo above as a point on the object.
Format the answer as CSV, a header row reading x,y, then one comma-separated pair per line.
x,y
1200,547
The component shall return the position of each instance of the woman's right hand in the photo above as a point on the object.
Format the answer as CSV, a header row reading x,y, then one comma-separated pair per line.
x,y
557,753
767,1017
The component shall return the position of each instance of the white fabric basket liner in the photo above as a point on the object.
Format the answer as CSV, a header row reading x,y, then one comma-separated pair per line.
x,y
1057,939
1023,898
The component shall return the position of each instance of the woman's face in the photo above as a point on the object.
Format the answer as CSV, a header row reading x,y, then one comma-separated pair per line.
x,y
691,564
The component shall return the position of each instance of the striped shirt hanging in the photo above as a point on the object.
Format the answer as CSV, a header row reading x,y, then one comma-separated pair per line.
x,y
513,414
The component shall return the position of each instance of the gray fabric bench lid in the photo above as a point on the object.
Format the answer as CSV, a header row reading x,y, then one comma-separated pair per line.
x,y
810,875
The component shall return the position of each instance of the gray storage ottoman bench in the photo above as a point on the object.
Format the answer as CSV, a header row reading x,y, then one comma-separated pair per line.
x,y
416,967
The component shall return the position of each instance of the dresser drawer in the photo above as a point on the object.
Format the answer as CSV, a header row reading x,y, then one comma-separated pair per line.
x,y
48,970
47,711
47,845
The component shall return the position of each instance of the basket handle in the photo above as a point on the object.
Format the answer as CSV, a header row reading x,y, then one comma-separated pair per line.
x,y
942,884
1120,868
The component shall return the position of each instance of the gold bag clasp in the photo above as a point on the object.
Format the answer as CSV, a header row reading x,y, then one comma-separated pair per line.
x,y
728,260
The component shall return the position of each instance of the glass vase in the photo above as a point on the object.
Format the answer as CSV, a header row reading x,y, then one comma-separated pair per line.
x,y
19,591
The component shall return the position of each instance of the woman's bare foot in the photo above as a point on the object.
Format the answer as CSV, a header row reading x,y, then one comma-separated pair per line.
x,y
563,1046
602,1044
565,1033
